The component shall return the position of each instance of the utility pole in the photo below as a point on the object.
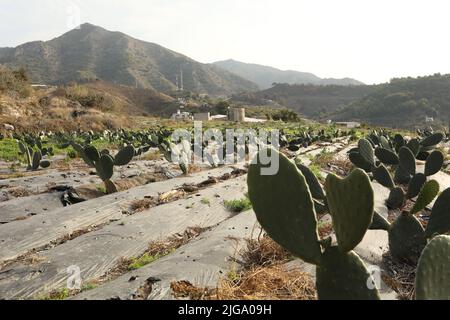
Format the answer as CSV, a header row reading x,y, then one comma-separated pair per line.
x,y
181,75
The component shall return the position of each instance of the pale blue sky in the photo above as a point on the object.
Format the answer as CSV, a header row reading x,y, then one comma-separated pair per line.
x,y
372,41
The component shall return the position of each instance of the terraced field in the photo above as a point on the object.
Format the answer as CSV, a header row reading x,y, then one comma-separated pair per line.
x,y
166,235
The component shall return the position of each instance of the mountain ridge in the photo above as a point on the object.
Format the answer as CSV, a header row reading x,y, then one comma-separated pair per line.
x,y
90,52
264,76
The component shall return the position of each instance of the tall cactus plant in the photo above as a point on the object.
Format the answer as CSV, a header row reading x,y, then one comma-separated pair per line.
x,y
104,163
284,206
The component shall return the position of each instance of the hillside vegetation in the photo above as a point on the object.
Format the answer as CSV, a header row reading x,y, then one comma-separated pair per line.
x,y
97,105
14,82
309,100
403,103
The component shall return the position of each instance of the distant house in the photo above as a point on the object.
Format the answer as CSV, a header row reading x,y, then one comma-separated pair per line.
x,y
205,116
350,124
238,115
429,119
181,116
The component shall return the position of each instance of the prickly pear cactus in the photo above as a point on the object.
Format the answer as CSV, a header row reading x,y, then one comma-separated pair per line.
x,y
92,153
366,151
434,163
383,177
415,185
387,156
429,191
37,157
402,176
432,140
407,160
124,156
379,222
105,167
396,199
433,271
439,222
357,159
314,185
284,207
343,276
414,146
351,203
406,238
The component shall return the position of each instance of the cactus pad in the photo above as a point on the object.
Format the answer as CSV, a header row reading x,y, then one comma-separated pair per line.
x,y
314,185
351,203
382,176
105,167
366,151
387,156
284,207
433,271
124,156
357,159
343,276
37,157
414,146
401,175
92,153
407,160
44,164
429,191
415,185
432,140
434,163
379,222
406,238
396,199
440,217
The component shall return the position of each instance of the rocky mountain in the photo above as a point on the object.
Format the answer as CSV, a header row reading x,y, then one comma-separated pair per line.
x,y
265,76
91,52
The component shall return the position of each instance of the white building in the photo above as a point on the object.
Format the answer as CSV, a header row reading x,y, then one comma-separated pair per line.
x,y
181,116
350,124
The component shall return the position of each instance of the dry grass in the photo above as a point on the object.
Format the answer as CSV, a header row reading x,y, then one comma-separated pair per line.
x,y
155,251
400,277
260,283
268,283
340,166
19,192
263,252
184,289
143,204
263,276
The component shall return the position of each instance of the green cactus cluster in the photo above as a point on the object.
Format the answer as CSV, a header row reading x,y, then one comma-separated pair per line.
x,y
379,148
34,158
285,207
407,237
104,162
